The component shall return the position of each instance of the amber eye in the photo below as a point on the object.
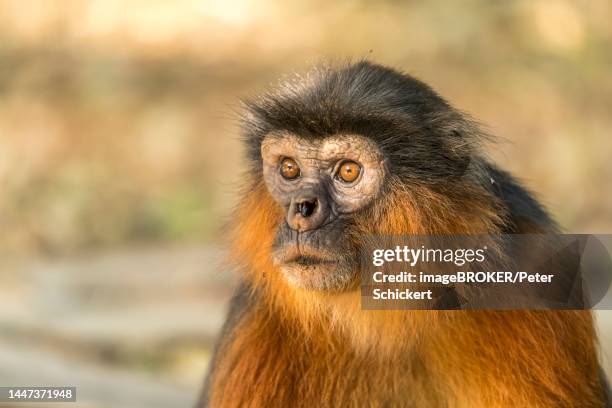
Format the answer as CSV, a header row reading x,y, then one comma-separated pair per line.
x,y
289,169
349,171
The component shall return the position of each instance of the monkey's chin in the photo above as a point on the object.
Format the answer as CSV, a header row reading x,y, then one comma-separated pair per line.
x,y
324,276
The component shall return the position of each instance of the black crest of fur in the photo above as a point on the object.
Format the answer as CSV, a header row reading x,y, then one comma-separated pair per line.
x,y
423,137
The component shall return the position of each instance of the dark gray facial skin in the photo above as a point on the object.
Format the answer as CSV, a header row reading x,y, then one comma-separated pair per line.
x,y
312,248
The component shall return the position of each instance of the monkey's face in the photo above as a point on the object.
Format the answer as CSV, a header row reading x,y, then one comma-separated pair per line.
x,y
322,185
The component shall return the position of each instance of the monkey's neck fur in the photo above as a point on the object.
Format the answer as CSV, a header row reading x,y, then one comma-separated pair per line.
x,y
293,347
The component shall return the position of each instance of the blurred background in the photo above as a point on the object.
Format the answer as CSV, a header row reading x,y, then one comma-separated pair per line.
x,y
120,158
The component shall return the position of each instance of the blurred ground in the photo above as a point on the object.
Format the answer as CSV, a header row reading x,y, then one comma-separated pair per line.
x,y
130,328
120,155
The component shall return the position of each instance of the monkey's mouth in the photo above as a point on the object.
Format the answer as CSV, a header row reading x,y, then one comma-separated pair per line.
x,y
304,255
312,268
310,260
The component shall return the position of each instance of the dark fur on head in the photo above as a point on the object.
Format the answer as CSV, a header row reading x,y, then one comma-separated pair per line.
x,y
421,134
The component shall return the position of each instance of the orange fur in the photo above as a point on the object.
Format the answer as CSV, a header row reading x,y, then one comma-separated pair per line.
x,y
296,347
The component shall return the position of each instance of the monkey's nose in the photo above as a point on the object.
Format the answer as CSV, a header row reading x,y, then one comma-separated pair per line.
x,y
306,207
306,214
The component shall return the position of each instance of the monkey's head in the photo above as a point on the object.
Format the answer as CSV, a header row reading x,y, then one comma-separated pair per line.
x,y
352,151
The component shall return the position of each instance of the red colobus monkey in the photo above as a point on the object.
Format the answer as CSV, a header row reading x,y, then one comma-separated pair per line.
x,y
364,149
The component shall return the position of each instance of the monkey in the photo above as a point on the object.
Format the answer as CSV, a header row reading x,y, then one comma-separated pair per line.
x,y
356,149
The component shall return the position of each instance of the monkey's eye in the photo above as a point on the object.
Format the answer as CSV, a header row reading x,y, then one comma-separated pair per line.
x,y
348,171
289,169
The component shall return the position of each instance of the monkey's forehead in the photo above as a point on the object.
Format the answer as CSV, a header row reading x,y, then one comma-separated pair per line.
x,y
332,147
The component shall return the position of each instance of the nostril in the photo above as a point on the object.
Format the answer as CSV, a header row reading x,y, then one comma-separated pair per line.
x,y
306,208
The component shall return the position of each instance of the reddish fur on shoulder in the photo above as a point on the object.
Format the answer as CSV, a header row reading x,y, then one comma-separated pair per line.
x,y
301,348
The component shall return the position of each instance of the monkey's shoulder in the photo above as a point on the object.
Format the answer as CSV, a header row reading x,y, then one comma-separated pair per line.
x,y
524,212
242,301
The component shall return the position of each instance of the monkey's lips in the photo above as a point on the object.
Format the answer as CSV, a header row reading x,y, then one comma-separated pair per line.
x,y
312,268
303,255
